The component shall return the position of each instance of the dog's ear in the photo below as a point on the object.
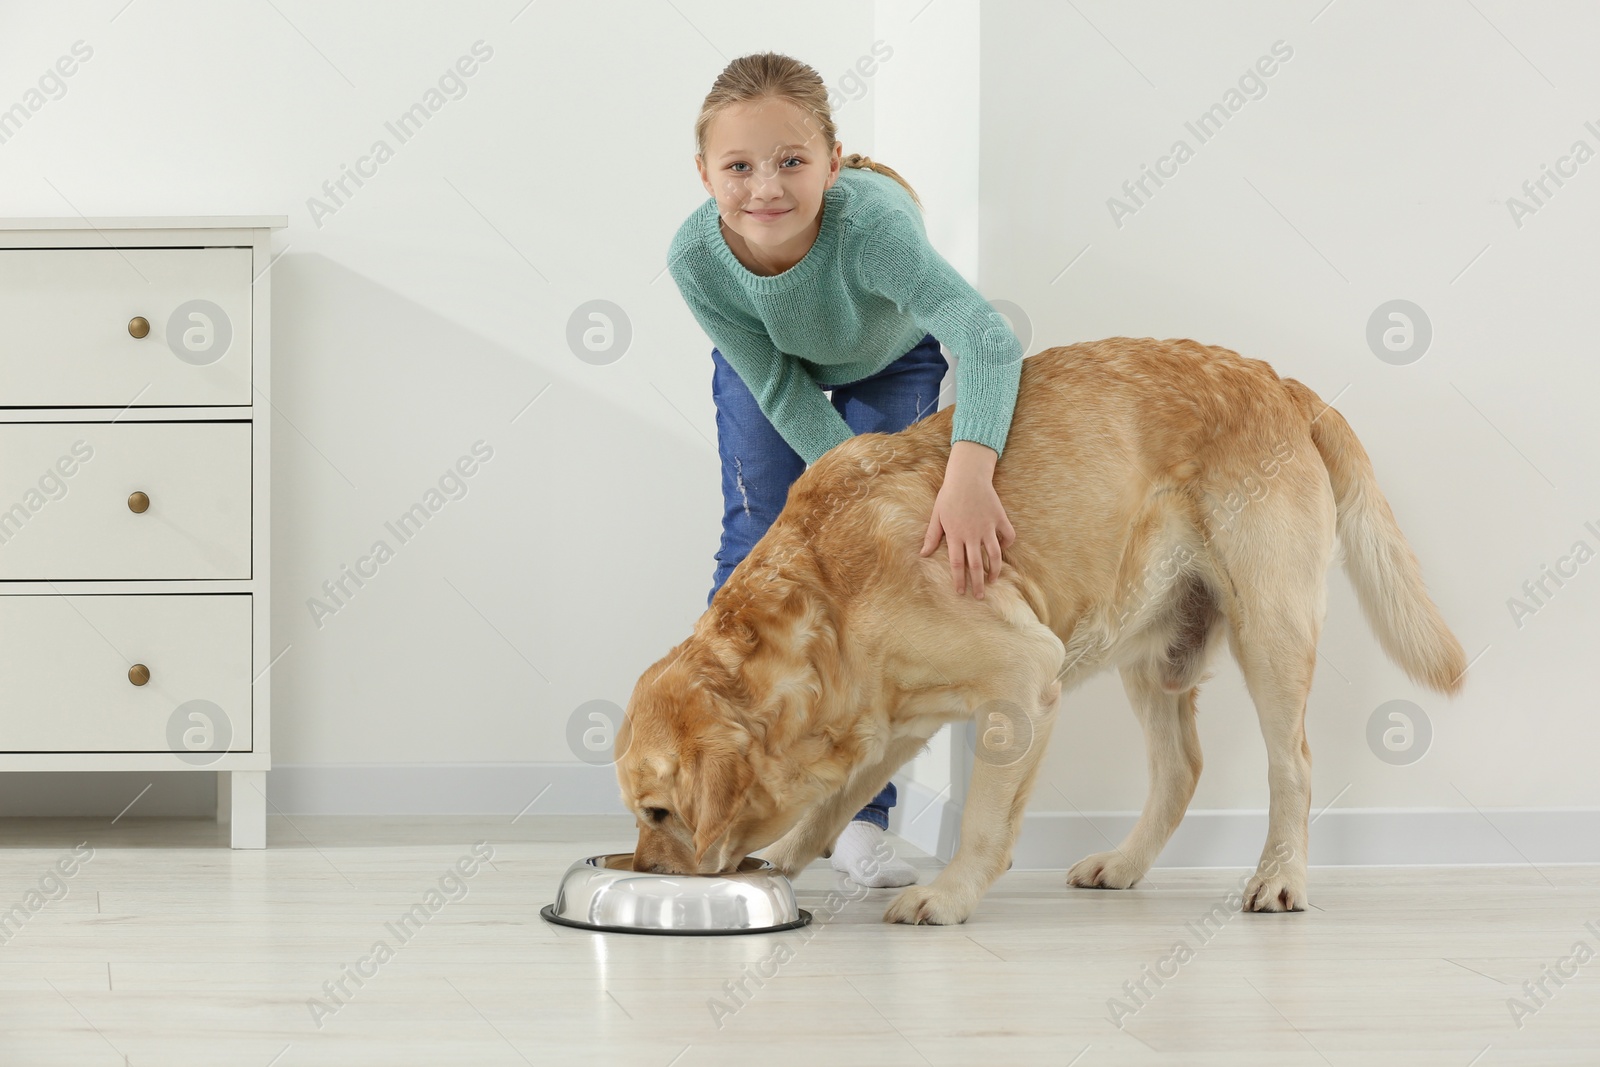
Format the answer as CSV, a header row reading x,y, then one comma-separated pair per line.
x,y
721,784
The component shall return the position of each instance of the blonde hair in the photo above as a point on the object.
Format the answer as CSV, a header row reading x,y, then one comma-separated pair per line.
x,y
773,76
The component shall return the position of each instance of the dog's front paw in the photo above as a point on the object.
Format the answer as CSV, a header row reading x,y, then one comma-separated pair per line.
x,y
1104,870
1281,890
926,905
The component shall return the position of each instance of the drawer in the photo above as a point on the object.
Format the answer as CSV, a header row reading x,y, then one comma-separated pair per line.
x,y
68,499
64,670
66,315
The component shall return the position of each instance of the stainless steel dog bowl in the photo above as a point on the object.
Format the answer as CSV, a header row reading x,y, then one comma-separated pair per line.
x,y
604,893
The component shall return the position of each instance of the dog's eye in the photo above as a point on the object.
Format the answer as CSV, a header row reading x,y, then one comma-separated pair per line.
x,y
656,814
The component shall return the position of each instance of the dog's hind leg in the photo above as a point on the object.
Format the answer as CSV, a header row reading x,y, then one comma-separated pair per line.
x,y
1161,686
1172,747
1277,651
1278,566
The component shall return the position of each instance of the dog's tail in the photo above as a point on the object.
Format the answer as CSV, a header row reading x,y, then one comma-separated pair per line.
x,y
1381,565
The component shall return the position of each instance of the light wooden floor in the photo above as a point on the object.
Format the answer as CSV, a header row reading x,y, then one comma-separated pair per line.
x,y
168,949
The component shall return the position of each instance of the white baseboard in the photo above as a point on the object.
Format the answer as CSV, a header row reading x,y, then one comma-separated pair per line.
x,y
1359,837
1339,837
108,794
325,789
444,789
927,819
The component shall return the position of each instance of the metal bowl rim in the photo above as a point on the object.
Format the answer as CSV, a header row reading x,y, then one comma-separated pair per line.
x,y
549,914
764,867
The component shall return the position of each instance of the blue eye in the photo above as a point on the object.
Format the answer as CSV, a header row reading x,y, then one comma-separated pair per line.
x,y
795,159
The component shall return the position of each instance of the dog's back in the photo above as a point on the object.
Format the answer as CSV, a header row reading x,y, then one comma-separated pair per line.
x,y
1134,470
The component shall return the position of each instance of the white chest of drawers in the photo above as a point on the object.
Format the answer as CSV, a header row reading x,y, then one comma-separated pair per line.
x,y
134,519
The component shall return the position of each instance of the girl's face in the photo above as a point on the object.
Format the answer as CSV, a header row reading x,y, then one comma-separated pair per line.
x,y
768,167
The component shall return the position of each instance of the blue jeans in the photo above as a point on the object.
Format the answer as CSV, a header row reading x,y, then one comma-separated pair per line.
x,y
758,465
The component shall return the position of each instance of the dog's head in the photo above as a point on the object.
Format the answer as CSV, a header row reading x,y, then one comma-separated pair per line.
x,y
696,778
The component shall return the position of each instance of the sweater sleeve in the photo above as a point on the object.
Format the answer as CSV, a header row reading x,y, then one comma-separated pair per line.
x,y
896,261
787,394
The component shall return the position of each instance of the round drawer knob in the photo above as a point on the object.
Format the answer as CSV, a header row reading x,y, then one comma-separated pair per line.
x,y
138,674
138,503
139,326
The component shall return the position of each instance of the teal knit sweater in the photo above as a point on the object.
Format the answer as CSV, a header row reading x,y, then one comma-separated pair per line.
x,y
867,292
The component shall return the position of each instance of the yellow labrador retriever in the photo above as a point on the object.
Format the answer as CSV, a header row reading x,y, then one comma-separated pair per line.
x,y
1163,493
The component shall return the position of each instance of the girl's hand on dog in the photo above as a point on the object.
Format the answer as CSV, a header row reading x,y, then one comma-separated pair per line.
x,y
968,515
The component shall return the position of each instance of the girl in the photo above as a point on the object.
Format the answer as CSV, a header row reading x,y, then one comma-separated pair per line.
x,y
807,268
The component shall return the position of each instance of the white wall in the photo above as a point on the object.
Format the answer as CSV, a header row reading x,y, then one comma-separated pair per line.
x,y
431,307
1377,165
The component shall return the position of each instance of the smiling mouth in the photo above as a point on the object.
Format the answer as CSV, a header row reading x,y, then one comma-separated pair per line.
x,y
768,214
